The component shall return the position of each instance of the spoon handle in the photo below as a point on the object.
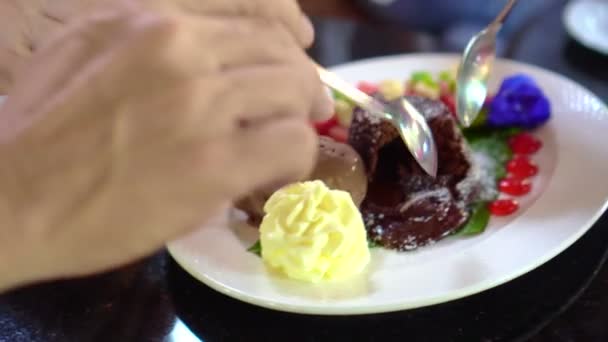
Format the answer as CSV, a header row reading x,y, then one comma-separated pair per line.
x,y
409,122
502,16
352,93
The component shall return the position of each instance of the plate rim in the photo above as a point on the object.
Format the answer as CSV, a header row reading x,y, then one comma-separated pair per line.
x,y
419,303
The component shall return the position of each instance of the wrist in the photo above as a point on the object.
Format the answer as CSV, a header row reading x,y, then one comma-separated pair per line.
x,y
14,252
11,261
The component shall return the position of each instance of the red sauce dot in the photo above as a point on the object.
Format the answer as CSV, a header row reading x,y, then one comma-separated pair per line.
x,y
338,133
367,87
503,207
525,143
522,167
323,127
514,186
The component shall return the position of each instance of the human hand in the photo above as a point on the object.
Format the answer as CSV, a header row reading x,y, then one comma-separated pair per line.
x,y
25,25
132,126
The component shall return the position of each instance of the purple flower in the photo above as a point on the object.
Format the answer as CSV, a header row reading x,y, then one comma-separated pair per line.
x,y
520,103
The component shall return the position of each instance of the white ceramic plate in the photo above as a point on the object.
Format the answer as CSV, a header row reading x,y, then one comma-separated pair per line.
x,y
587,22
569,195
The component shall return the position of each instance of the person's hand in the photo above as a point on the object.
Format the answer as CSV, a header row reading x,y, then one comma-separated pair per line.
x,y
26,25
133,126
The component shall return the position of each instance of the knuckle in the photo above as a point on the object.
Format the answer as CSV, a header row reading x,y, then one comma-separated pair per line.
x,y
162,38
161,27
105,26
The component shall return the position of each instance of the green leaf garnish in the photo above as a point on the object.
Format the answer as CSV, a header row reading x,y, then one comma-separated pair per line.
x,y
480,217
256,248
494,144
372,244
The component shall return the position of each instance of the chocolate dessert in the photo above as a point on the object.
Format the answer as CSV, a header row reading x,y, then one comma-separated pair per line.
x,y
338,166
404,207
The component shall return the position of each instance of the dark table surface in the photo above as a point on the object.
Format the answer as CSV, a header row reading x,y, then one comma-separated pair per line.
x,y
154,300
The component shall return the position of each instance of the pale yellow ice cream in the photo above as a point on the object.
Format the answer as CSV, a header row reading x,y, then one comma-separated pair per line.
x,y
312,233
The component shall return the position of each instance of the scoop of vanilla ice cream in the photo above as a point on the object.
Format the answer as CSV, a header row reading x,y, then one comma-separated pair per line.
x,y
313,233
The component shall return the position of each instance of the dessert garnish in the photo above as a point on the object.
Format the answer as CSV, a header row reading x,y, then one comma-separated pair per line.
x,y
483,169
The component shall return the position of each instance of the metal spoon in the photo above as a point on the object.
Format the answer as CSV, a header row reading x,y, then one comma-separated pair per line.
x,y
475,67
411,125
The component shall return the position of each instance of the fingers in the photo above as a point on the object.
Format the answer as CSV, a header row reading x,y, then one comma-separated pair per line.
x,y
281,151
285,11
257,94
217,44
215,108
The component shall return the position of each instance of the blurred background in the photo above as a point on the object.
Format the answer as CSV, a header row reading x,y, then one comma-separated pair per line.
x,y
535,32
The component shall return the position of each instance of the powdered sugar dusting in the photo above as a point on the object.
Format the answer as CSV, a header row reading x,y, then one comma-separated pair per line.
x,y
442,196
484,176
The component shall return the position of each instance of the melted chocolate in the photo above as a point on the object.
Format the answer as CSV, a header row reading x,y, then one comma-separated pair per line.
x,y
405,208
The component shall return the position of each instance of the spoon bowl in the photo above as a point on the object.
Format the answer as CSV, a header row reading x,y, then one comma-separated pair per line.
x,y
411,125
475,69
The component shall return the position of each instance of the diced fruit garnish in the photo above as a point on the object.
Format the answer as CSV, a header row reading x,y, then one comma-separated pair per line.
x,y
444,88
522,167
450,102
323,127
391,89
445,76
338,133
503,207
423,77
447,82
409,91
426,90
524,143
337,95
344,112
515,186
367,87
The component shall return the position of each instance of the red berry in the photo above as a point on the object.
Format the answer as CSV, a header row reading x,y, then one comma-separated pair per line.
x,y
524,143
515,186
522,167
367,87
450,102
338,133
503,207
323,127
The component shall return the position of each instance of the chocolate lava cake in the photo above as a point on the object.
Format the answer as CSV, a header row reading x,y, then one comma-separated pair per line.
x,y
404,207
